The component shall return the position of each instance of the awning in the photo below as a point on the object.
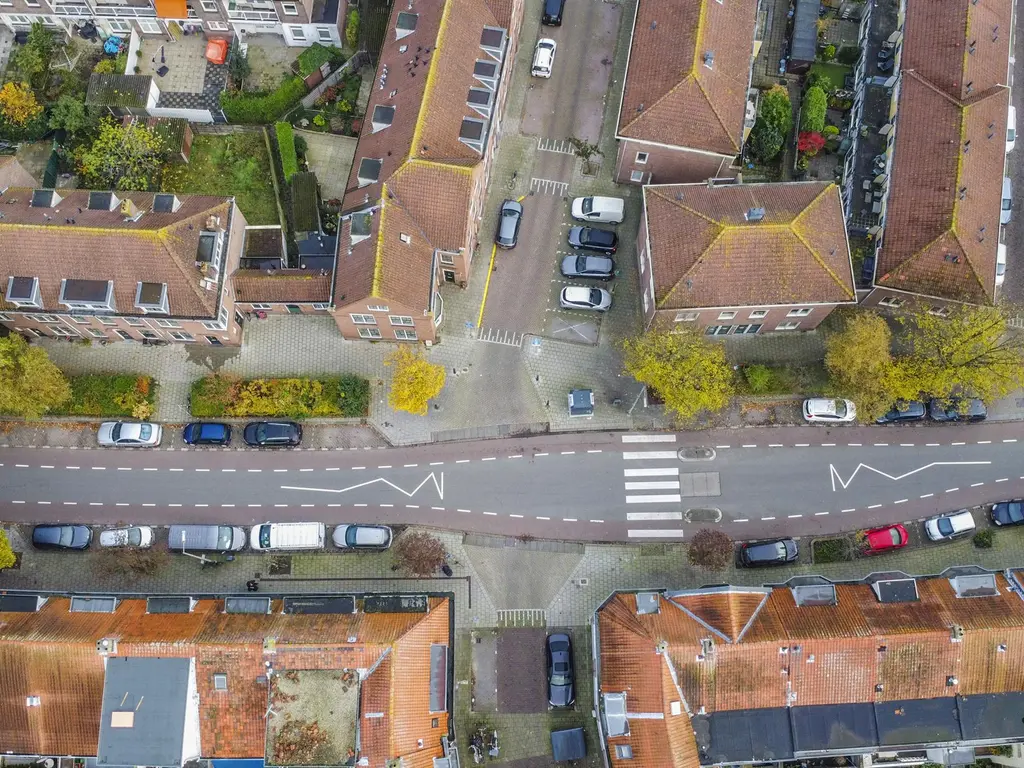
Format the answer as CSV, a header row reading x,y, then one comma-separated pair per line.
x,y
171,9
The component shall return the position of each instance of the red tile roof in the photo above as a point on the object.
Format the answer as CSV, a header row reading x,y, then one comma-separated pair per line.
x,y
282,286
706,251
942,216
52,654
671,95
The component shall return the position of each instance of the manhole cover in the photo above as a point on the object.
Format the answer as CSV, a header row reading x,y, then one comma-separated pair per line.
x,y
703,515
697,453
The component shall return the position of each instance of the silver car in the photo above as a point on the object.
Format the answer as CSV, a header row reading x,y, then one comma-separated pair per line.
x,y
581,297
362,537
121,434
597,267
509,219
950,525
135,536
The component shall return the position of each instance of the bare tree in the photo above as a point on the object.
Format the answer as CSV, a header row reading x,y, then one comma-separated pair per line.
x,y
129,562
584,150
710,549
419,553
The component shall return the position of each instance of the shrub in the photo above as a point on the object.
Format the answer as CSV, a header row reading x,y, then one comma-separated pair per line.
x,y
831,550
774,121
344,107
319,121
110,395
812,114
710,549
301,147
7,556
759,378
221,395
286,147
352,29
829,131
244,107
314,57
419,553
828,53
810,143
983,539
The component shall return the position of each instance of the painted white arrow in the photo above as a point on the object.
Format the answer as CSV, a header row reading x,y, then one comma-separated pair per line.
x,y
846,484
438,484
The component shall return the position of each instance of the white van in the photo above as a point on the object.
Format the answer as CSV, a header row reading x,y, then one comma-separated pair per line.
x,y
543,57
605,210
287,536
1011,129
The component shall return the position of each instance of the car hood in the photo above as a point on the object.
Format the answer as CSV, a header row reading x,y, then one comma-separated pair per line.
x,y
560,695
249,433
106,431
577,207
81,536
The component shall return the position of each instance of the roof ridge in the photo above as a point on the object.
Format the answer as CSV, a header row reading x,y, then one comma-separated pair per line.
x,y
664,96
967,255
718,117
428,88
794,226
929,84
923,248
387,199
718,236
162,238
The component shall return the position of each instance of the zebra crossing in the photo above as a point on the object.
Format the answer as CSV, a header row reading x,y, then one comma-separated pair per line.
x,y
651,475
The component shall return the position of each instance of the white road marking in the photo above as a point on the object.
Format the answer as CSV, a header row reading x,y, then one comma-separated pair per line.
x,y
198,505
174,505
900,501
306,470
488,458
819,514
828,445
749,445
359,505
255,470
384,466
179,469
462,461
64,467
1010,440
519,456
26,465
17,502
280,470
802,445
438,486
854,445
100,504
358,467
723,446
439,509
223,505
926,495
436,463
202,469
596,450
648,438
543,518
906,445
492,514
931,445
47,502
332,469
155,469
387,505
881,445
767,518
775,445
651,472
742,520
464,510
254,505
951,490
568,453
124,469
848,510
984,442
569,520
958,443
125,504
410,465
73,503
654,485
412,506
641,455
975,485
874,506
654,533
46,466
654,499
280,505
151,504
511,515
1002,479
654,515
793,516
597,521
540,454
846,484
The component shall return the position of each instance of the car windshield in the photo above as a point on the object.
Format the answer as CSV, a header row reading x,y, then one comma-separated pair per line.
x,y
840,409
224,537
895,534
1007,203
588,204
261,433
945,526
510,213
116,432
560,678
1015,511
581,263
145,431
264,536
134,537
595,296
67,533
351,535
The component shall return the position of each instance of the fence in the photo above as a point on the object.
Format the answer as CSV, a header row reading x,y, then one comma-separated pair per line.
x,y
352,64
223,129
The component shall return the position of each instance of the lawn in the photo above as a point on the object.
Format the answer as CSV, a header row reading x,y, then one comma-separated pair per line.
x,y
237,164
781,380
223,395
109,395
834,73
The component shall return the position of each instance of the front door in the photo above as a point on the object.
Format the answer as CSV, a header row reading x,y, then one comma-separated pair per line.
x,y
214,341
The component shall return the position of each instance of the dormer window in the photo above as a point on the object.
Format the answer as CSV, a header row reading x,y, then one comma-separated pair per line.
x,y
369,171
87,294
480,100
103,201
359,227
473,133
486,72
405,25
44,198
164,203
383,116
151,297
492,40
23,292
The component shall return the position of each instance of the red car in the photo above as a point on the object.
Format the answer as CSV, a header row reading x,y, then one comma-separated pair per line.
x,y
879,540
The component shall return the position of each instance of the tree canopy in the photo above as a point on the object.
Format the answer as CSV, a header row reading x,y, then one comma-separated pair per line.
x,y
773,124
419,553
7,557
812,113
415,380
30,385
860,364
122,157
18,104
689,372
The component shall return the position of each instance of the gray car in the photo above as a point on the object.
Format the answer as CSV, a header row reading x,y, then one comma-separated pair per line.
x,y
597,267
509,219
581,297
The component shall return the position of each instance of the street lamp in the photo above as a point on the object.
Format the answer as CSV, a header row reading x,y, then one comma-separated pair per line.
x,y
200,558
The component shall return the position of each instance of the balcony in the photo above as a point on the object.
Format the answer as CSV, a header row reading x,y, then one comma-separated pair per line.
x,y
260,10
128,11
73,10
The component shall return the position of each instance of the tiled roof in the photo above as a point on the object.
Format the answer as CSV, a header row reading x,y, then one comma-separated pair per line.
x,y
942,217
52,654
118,90
709,249
856,651
284,285
688,74
13,173
102,245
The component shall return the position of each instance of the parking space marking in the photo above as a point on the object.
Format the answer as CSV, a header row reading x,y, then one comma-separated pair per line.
x,y
549,187
562,147
498,336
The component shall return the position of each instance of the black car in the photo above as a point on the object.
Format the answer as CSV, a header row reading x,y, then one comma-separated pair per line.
x,y
272,434
1008,512
886,53
885,65
61,537
553,10
867,269
901,412
957,410
206,433
597,267
773,552
509,219
600,240
561,692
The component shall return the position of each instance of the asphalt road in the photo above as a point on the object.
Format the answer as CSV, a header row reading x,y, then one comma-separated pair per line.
x,y
602,486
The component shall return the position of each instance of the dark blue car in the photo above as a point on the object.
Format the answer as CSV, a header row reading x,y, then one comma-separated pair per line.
x,y
61,537
902,412
207,433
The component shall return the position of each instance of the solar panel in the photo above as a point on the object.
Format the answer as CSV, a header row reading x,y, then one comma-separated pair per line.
x,y
395,604
615,714
169,605
328,605
247,605
438,677
93,604
814,594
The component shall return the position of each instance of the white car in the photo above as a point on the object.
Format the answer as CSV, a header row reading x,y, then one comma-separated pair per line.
x,y
125,433
950,525
581,297
605,210
135,536
543,57
1000,264
820,409
362,537
1011,129
1006,205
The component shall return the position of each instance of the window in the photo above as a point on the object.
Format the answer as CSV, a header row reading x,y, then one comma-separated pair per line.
x,y
298,33
80,320
293,309
757,314
181,336
214,325
168,323
5,317
447,258
99,333
636,176
321,306
938,311
149,27
324,35
799,312
118,26
788,325
404,238
260,306
641,158
891,301
217,26
405,335
740,330
20,19
106,320
135,321
727,315
290,9
623,751
87,294
377,307
363,319
717,330
45,318
369,333
686,317
124,335
209,6
60,330
151,297
400,320
150,334
24,292
220,681
36,332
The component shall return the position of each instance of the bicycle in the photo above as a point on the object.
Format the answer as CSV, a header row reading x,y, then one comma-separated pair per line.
x,y
512,180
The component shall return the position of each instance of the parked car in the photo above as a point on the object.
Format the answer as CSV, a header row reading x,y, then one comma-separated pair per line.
x,y
362,537
1000,264
885,539
553,10
867,269
598,267
956,410
206,433
591,239
903,412
122,434
272,434
134,536
561,688
1007,512
580,297
772,552
1011,129
820,409
61,537
606,210
886,53
206,538
509,219
949,525
1006,206
287,536
543,57
885,65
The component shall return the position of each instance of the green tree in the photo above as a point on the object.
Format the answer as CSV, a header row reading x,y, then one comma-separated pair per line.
x,y
860,364
773,124
585,151
812,114
238,65
71,114
766,143
828,53
122,157
969,350
32,60
7,558
352,29
689,372
415,381
30,385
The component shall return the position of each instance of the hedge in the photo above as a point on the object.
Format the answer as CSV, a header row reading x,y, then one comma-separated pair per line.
x,y
110,395
225,395
812,115
286,147
311,59
260,108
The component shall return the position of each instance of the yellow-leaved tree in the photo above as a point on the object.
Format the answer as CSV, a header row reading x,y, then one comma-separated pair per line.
x,y
415,381
860,364
18,104
7,558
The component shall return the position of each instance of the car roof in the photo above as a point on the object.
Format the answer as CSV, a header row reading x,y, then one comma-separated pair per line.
x,y
821,405
961,519
512,205
577,293
212,429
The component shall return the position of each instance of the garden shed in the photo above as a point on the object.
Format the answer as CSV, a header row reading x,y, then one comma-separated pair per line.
x,y
804,47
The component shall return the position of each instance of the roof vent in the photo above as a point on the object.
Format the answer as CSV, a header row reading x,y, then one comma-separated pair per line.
x,y
956,634
970,46
951,681
879,687
970,86
679,195
967,146
32,701
709,59
707,645
106,646
754,214
654,24
1001,648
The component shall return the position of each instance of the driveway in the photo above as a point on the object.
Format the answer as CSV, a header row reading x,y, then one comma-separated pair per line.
x,y
330,158
522,677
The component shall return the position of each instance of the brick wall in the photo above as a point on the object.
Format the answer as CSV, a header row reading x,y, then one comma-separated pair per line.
x,y
665,165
